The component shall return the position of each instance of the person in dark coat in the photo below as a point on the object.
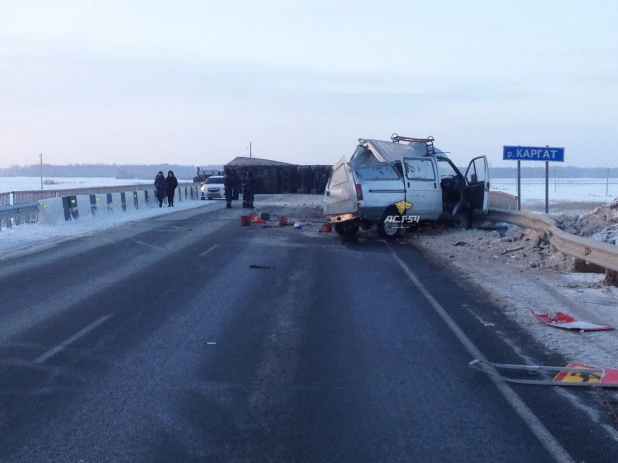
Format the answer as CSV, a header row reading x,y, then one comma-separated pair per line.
x,y
316,183
228,183
171,182
248,190
159,184
323,183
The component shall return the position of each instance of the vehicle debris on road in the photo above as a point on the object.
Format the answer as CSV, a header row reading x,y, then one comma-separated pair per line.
x,y
574,374
566,322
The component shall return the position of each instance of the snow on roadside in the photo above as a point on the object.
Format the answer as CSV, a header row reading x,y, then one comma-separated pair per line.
x,y
300,208
601,223
521,274
28,235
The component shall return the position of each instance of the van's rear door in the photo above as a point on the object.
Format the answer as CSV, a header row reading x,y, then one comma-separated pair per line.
x,y
477,185
340,194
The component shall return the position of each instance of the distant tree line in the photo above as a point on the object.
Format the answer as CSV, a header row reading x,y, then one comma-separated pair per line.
x,y
144,171
121,171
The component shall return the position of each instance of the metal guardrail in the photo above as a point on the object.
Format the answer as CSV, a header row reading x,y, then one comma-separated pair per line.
x,y
5,199
7,213
589,250
502,200
20,197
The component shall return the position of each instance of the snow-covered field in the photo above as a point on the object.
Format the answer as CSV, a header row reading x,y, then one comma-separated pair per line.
x,y
562,190
60,183
533,190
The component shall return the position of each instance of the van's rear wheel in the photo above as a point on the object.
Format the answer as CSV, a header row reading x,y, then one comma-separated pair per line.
x,y
389,230
346,228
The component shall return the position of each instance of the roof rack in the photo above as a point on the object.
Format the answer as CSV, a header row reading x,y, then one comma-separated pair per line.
x,y
428,141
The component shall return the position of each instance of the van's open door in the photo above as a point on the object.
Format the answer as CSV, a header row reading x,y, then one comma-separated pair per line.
x,y
477,185
340,195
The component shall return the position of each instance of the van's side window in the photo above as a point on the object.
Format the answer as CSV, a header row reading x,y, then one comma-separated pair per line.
x,y
379,171
420,169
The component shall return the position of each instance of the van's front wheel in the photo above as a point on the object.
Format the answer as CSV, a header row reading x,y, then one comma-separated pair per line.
x,y
346,228
387,229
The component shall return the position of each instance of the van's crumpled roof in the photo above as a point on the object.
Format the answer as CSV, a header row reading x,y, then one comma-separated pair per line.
x,y
388,151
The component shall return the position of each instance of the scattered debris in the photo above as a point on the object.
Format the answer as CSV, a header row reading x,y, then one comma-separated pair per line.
x,y
541,240
512,250
211,343
574,374
267,267
460,243
564,321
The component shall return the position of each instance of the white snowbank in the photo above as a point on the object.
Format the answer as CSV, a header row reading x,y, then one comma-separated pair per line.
x,y
53,231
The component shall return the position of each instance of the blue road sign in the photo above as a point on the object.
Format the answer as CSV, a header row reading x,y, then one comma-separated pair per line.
x,y
533,153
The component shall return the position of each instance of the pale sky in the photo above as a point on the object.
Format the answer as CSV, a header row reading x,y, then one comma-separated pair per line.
x,y
193,82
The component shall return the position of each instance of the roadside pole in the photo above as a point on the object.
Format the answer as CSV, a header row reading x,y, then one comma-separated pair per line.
x,y
607,184
547,187
41,156
555,180
518,185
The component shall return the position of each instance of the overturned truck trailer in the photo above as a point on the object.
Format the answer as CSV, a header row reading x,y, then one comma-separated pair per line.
x,y
275,177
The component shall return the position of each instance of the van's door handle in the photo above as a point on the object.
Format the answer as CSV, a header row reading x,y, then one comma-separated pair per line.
x,y
435,185
408,184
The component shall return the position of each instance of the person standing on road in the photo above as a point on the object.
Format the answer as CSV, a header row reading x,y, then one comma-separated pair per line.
x,y
316,183
248,190
228,183
171,182
323,183
159,184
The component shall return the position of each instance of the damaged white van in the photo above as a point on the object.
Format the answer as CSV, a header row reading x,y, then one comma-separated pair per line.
x,y
399,182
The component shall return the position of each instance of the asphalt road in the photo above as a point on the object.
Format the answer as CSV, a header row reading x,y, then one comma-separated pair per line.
x,y
158,342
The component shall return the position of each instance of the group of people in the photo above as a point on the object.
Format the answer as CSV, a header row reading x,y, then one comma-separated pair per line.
x,y
166,187
247,185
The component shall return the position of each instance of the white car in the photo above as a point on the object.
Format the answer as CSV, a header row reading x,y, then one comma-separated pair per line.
x,y
213,187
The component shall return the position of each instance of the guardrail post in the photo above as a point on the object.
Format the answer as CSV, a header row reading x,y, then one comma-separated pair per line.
x,y
123,201
110,203
69,204
146,200
191,192
135,201
93,204
518,185
179,194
